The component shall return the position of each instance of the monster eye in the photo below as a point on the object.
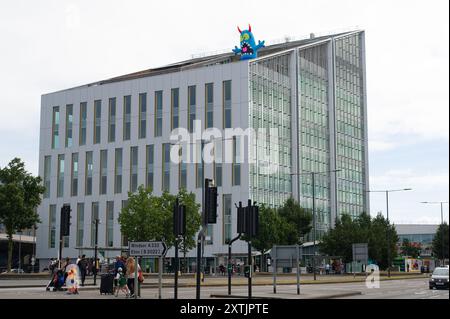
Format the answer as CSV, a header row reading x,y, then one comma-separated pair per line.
x,y
246,36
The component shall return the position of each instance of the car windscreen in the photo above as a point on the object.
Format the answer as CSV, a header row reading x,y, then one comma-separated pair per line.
x,y
441,272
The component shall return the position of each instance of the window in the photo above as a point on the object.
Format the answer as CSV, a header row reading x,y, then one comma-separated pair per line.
x,y
126,117
69,124
94,216
175,108
236,162
89,172
97,121
199,166
209,106
103,171
55,127
118,171
158,112
109,224
52,226
191,108
80,224
112,120
166,167
60,185
74,175
149,167
209,234
218,163
226,218
124,239
142,115
183,171
47,173
83,121
227,104
133,168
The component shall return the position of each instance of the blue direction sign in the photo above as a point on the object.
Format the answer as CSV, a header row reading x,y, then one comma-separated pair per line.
x,y
147,248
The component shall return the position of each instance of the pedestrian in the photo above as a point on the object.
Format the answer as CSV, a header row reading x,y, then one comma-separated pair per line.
x,y
131,267
118,264
78,259
83,265
327,269
120,282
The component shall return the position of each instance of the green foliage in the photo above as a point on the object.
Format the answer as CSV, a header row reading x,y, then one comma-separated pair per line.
x,y
440,242
20,195
148,217
362,229
408,249
298,222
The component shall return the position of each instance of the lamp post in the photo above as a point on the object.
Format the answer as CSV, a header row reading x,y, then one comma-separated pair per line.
x,y
313,174
20,252
387,217
442,223
95,251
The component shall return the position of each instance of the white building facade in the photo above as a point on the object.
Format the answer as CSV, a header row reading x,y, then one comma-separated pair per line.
x,y
100,141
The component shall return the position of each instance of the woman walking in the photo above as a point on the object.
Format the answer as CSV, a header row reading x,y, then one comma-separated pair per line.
x,y
131,268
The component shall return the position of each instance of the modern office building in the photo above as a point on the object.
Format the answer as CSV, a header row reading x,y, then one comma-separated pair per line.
x,y
101,140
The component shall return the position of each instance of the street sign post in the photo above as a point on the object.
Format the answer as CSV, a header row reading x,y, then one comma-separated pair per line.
x,y
360,254
286,256
149,249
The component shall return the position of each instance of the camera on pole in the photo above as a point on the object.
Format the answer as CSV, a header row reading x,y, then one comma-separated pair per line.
x,y
65,220
179,219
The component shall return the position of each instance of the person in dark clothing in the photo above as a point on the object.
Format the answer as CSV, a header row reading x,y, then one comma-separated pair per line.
x,y
82,265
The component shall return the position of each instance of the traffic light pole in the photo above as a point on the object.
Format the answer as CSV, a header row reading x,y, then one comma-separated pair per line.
x,y
95,251
175,293
230,266
250,270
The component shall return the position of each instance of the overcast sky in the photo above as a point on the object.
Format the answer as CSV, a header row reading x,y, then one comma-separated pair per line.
x,y
48,45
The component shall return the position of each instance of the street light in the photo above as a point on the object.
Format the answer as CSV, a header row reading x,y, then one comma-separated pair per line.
x,y
313,209
387,217
442,222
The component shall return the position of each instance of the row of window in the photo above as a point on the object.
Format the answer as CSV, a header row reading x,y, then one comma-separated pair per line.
x,y
133,178
142,111
111,222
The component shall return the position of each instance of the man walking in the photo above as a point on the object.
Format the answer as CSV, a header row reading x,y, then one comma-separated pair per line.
x,y
82,265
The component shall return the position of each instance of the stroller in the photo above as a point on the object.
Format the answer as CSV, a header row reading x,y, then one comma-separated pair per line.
x,y
57,281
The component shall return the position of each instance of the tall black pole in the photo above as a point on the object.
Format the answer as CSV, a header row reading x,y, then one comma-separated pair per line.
x,y
314,223
388,235
251,270
442,231
95,251
201,233
176,269
230,266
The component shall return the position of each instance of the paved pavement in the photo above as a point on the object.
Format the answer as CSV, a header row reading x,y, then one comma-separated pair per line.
x,y
404,289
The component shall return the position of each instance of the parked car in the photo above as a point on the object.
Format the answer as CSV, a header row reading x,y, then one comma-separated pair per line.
x,y
439,278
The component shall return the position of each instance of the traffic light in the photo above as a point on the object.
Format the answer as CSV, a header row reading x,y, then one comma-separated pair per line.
x,y
179,219
241,214
65,220
251,220
211,204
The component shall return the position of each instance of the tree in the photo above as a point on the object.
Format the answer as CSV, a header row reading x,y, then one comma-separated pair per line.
x,y
408,249
20,195
440,242
362,229
148,217
141,219
270,231
297,216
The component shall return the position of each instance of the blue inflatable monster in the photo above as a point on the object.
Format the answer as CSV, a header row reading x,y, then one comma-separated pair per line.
x,y
249,49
